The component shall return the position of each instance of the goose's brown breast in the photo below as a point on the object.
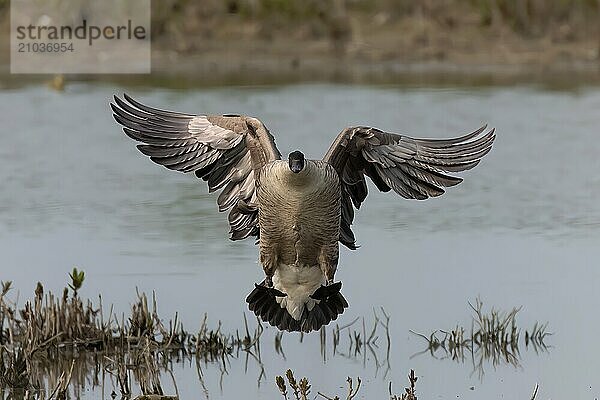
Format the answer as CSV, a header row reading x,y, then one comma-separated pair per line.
x,y
298,213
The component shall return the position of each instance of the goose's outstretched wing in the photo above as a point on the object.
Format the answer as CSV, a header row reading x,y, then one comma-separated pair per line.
x,y
413,168
227,151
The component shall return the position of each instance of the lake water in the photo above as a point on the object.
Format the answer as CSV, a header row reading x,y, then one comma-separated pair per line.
x,y
523,229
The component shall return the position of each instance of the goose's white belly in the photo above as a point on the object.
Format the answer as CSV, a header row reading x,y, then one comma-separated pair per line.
x,y
299,283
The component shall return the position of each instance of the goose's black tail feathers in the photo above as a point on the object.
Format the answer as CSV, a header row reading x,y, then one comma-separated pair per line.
x,y
262,302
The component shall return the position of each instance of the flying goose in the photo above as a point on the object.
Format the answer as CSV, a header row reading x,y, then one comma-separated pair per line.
x,y
297,209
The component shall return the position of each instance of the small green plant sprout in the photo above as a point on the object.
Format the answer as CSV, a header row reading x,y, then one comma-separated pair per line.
x,y
77,278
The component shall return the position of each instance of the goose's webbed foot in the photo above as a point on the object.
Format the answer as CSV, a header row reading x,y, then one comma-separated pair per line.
x,y
277,293
269,281
270,289
326,291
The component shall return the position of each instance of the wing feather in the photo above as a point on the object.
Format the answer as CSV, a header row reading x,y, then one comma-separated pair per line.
x,y
223,150
413,168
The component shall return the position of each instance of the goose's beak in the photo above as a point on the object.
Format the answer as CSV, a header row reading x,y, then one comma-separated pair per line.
x,y
296,166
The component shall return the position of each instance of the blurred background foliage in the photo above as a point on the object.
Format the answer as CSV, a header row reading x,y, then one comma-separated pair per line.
x,y
224,40
455,31
319,17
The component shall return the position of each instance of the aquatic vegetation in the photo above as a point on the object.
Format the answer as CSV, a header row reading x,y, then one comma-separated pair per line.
x,y
52,340
13,369
493,337
409,392
302,390
56,344
55,347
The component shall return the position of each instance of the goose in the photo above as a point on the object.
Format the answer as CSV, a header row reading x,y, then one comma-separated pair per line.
x,y
298,210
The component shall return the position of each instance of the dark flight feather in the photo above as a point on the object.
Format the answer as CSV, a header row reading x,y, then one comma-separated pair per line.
x,y
413,168
216,148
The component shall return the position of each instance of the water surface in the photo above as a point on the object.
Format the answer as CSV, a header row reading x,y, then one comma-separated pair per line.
x,y
521,230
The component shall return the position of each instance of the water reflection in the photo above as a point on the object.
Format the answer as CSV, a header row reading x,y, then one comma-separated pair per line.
x,y
58,345
54,345
493,339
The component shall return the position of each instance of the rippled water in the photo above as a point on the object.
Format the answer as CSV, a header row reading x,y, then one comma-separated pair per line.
x,y
522,229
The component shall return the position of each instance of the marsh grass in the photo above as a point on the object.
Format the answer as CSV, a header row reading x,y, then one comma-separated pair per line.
x,y
53,340
13,369
409,392
55,347
494,337
53,344
301,391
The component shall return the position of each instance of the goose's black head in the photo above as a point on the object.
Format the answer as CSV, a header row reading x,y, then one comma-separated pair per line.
x,y
296,161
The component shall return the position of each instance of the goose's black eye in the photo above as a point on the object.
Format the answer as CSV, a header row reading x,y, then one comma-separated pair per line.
x,y
296,161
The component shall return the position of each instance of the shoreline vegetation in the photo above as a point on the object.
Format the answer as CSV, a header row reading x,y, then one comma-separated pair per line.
x,y
59,346
225,42
373,40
